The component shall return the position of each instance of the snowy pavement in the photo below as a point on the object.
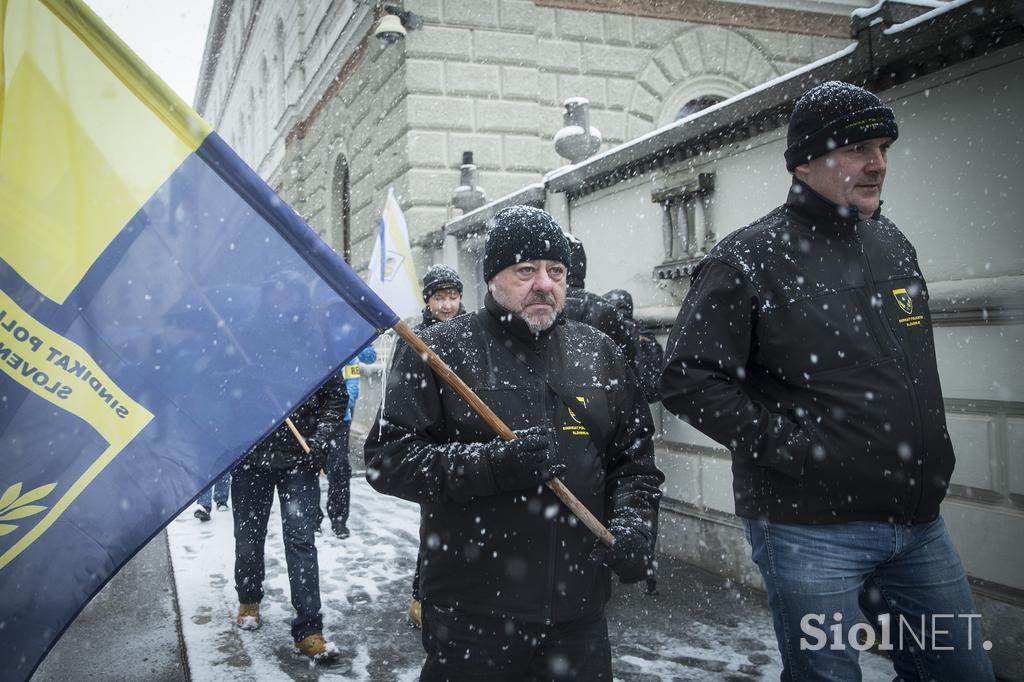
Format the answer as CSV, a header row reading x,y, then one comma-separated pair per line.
x,y
698,628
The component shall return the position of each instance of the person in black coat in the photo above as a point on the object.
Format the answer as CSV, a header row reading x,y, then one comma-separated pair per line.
x,y
279,462
442,294
805,346
650,356
513,585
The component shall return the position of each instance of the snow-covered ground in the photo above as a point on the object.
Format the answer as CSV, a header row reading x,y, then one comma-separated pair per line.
x,y
365,582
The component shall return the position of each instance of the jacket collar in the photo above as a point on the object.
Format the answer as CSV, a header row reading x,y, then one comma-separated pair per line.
x,y
819,213
429,319
498,318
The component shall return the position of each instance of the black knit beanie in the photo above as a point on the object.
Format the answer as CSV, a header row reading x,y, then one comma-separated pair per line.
x,y
577,276
519,233
440,277
622,300
833,115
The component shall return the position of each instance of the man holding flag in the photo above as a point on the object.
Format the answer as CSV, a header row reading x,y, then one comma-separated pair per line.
x,y
513,587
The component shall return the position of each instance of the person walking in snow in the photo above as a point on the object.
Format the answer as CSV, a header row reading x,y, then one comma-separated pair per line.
x,y
513,586
805,346
650,356
217,492
338,466
442,296
280,462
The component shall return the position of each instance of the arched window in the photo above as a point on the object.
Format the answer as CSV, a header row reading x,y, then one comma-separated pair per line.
x,y
695,94
697,104
341,209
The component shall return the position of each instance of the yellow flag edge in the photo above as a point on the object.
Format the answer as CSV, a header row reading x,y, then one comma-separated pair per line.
x,y
133,72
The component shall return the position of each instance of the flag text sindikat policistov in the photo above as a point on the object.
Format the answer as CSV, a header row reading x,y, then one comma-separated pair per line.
x,y
23,349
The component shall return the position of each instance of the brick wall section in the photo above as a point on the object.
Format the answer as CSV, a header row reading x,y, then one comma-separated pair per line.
x,y
490,76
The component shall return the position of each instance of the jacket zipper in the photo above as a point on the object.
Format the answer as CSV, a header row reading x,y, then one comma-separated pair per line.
x,y
549,593
911,388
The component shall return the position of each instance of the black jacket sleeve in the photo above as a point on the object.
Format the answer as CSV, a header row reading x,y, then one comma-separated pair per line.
x,y
706,359
405,452
632,480
623,332
329,404
316,420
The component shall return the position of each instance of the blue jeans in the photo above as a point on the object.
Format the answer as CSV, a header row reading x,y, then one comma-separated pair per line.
x,y
252,489
218,490
821,578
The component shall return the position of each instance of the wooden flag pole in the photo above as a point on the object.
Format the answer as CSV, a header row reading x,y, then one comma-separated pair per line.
x,y
298,436
494,421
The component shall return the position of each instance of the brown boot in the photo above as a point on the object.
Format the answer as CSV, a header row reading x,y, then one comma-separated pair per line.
x,y
317,648
416,613
248,616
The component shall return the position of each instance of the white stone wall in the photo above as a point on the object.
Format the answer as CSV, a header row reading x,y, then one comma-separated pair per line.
x,y
491,76
483,75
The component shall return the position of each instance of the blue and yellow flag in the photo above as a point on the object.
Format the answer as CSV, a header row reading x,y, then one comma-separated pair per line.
x,y
161,310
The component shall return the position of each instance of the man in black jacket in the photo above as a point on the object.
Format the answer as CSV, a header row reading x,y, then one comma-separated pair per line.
x,y
513,585
805,346
280,462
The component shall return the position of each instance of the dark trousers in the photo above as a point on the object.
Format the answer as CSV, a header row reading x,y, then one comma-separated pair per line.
x,y
339,476
252,490
464,647
217,492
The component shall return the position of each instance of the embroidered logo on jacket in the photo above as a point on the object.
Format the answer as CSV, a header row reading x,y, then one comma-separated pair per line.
x,y
577,429
904,300
906,304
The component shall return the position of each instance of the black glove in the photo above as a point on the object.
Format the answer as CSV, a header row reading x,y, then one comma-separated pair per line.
x,y
630,555
525,462
318,450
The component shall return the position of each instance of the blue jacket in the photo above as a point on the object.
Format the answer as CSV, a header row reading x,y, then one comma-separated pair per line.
x,y
352,372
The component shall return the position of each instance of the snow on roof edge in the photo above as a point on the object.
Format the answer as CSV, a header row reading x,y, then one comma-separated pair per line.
x,y
746,94
483,213
862,12
927,16
608,161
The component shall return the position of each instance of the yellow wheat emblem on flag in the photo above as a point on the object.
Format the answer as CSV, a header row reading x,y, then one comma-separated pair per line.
x,y
14,505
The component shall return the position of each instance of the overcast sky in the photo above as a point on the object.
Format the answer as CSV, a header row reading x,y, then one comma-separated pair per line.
x,y
169,35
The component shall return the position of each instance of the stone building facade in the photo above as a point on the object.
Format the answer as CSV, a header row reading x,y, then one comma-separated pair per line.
x,y
331,116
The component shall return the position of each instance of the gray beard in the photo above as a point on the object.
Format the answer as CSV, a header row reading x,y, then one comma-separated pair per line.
x,y
538,327
534,327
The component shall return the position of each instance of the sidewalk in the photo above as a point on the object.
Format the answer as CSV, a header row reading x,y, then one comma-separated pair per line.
x,y
129,631
700,627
